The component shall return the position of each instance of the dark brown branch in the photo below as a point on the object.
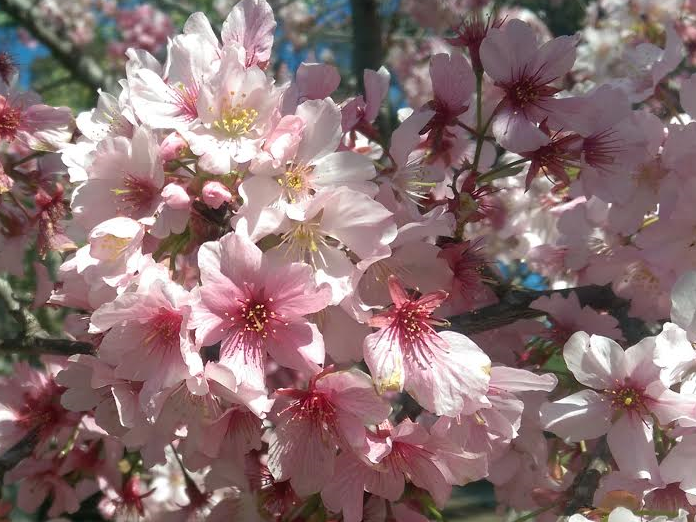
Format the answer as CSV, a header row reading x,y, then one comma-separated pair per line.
x,y
582,491
367,38
515,305
83,67
19,451
32,345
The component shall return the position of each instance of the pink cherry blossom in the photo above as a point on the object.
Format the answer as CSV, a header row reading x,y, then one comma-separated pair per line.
x,y
524,71
255,307
235,108
251,24
125,179
407,353
31,402
146,334
626,391
568,317
411,454
331,414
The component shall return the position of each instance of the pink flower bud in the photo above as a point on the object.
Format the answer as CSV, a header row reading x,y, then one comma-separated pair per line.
x,y
172,147
176,197
215,194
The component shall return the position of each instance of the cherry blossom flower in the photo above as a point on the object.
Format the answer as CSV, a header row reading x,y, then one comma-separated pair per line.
x,y
146,334
24,118
125,179
331,414
31,402
411,454
446,372
235,108
524,71
627,390
255,307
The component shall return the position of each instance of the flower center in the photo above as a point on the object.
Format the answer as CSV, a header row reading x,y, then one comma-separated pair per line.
x,y
320,411
523,92
303,243
627,398
135,193
10,119
42,411
601,149
113,246
185,99
256,317
412,320
165,329
295,180
236,121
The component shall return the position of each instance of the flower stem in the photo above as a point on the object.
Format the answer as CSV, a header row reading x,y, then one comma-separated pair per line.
x,y
533,514
480,132
31,156
490,175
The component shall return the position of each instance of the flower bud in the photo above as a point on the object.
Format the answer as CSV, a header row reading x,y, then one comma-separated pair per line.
x,y
215,194
176,197
173,147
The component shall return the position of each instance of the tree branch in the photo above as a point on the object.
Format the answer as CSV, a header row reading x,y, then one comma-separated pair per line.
x,y
367,38
25,319
18,452
84,68
515,305
582,491
33,339
31,345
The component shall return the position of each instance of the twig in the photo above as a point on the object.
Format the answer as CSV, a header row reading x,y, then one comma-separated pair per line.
x,y
582,491
40,345
83,67
515,305
33,339
25,319
535,513
18,452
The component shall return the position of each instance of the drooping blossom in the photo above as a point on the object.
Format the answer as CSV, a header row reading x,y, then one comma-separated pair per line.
x,y
329,415
445,372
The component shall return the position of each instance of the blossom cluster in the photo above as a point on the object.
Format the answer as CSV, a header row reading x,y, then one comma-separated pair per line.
x,y
272,284
81,21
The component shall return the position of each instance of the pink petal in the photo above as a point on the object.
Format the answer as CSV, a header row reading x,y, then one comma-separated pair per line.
x,y
251,24
630,440
316,81
453,79
376,89
583,415
516,132
595,361
507,51
299,451
354,392
299,346
385,361
517,380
